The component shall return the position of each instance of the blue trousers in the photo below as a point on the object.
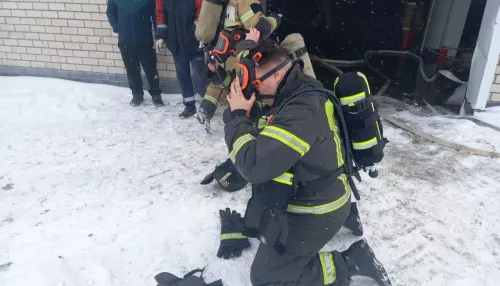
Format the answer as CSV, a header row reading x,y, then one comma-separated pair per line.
x,y
191,83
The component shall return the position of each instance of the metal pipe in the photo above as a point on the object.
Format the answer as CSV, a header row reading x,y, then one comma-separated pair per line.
x,y
427,26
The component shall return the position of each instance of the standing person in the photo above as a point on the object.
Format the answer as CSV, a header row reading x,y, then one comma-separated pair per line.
x,y
134,22
176,21
296,164
236,15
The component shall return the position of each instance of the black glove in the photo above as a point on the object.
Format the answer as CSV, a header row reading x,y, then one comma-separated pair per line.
x,y
231,240
161,32
168,279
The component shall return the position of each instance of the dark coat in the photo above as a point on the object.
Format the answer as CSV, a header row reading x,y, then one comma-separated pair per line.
x,y
301,134
179,18
133,20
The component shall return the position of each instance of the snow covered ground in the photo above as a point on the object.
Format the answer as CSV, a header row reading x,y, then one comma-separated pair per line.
x,y
94,192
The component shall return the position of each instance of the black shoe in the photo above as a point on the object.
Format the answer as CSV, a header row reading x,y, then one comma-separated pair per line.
x,y
157,101
136,101
187,112
360,261
353,222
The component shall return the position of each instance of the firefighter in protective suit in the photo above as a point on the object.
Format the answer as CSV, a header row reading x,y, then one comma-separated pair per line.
x,y
300,193
238,15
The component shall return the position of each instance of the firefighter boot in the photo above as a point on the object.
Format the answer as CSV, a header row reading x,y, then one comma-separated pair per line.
x,y
360,260
204,120
353,222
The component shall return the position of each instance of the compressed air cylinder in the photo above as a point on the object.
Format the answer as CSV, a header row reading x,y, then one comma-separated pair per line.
x,y
208,21
295,45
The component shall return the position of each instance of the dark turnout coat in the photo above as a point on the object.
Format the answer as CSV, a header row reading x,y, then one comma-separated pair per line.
x,y
303,134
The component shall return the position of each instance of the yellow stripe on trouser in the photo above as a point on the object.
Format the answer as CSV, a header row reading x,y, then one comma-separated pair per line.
x,y
238,144
328,267
226,236
286,178
210,98
286,138
247,16
331,122
326,208
228,23
365,144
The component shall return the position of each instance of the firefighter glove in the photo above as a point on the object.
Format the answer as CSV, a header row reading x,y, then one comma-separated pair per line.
x,y
232,242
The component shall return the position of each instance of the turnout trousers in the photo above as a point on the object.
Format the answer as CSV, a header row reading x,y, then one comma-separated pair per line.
x,y
301,264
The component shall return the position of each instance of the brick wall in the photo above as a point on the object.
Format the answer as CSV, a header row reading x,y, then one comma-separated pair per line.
x,y
63,35
495,88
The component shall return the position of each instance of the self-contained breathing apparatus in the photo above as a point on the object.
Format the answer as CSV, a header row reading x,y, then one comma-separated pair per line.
x,y
361,130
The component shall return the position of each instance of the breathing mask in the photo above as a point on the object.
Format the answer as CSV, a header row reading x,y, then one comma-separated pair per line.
x,y
245,70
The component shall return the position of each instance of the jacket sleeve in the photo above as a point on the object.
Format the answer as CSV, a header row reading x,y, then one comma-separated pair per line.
x,y
112,13
160,13
283,142
252,16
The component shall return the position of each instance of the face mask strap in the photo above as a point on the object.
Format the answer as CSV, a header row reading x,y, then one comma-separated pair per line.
x,y
257,82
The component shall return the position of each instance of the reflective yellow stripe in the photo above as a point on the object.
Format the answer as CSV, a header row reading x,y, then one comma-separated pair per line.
x,y
286,178
331,122
364,145
210,98
373,107
328,267
238,144
366,81
227,80
242,54
247,16
378,129
326,208
287,138
272,22
227,236
262,123
335,83
353,98
228,23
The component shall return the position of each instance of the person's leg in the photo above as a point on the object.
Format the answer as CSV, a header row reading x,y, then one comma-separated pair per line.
x,y
133,68
184,77
301,264
147,56
200,79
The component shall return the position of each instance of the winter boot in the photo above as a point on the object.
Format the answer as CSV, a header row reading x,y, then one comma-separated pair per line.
x,y
353,222
187,112
204,120
360,260
157,101
137,100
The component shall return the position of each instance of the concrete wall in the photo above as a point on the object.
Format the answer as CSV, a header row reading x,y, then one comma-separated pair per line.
x,y
65,38
495,88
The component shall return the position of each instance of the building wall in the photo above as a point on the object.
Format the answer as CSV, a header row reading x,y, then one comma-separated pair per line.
x,y
495,88
64,38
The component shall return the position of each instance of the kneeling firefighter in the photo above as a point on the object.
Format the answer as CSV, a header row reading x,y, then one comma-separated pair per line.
x,y
298,165
232,18
226,174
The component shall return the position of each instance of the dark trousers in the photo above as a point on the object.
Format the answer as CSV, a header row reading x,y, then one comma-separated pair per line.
x,y
198,78
300,265
135,55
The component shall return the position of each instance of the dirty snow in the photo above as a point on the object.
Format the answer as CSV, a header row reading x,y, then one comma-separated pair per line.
x,y
94,192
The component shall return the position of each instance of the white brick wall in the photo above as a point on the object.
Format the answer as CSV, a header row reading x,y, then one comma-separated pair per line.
x,y
63,34
495,88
